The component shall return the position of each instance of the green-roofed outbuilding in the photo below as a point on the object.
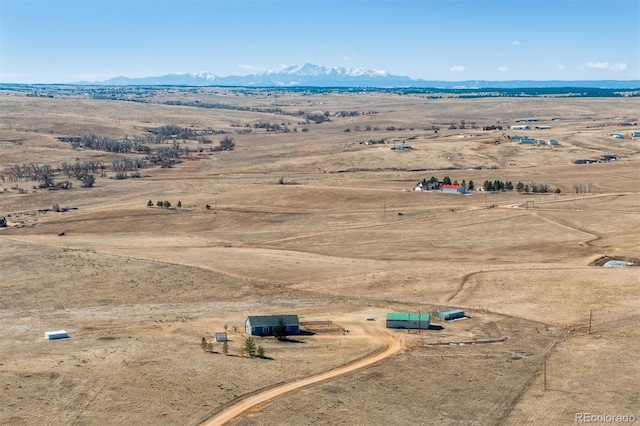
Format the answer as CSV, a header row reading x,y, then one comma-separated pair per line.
x,y
408,320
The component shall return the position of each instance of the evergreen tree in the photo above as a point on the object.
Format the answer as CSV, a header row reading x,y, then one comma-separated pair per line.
x,y
446,180
225,348
167,204
280,331
179,204
160,204
249,346
3,222
150,203
260,352
471,186
519,186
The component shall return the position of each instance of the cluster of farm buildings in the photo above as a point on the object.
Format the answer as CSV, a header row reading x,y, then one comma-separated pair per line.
x,y
265,325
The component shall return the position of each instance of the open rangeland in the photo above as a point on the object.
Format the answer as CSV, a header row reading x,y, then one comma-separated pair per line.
x,y
304,218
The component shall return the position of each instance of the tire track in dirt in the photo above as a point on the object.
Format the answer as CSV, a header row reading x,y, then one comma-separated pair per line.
x,y
376,226
587,243
465,279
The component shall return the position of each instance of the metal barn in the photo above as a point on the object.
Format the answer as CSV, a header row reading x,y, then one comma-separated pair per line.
x,y
452,189
451,315
408,321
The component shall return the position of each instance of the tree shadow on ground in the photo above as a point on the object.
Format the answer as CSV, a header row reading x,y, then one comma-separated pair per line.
x,y
290,340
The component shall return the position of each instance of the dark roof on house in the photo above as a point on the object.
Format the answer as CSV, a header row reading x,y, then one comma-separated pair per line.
x,y
272,320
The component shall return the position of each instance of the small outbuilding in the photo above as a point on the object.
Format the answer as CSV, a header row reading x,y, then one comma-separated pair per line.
x,y
617,264
58,334
265,325
527,140
408,321
451,315
553,142
220,337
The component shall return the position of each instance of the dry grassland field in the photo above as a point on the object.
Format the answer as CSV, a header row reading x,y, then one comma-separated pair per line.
x,y
304,218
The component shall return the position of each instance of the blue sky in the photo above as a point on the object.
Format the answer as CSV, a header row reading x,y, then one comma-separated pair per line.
x,y
59,41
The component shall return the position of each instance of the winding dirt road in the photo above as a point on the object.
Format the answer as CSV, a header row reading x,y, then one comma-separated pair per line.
x,y
394,344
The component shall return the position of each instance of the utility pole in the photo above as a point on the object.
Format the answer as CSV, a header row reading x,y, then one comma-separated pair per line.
x,y
590,315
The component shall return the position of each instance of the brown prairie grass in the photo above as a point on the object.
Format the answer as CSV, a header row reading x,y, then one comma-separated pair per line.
x,y
342,238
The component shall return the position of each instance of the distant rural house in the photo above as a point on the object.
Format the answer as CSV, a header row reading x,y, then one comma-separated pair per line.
x,y
520,127
451,315
264,325
527,141
543,127
553,142
408,321
617,135
401,147
427,185
541,142
635,135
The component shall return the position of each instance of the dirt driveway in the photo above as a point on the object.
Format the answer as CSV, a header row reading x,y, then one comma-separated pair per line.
x,y
394,344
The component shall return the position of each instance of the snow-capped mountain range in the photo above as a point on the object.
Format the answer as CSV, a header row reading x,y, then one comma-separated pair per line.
x,y
319,76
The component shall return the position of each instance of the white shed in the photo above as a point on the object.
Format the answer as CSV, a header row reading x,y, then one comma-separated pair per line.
x,y
58,334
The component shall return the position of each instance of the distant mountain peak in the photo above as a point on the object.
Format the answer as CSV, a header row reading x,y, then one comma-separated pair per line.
x,y
204,75
313,75
313,70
